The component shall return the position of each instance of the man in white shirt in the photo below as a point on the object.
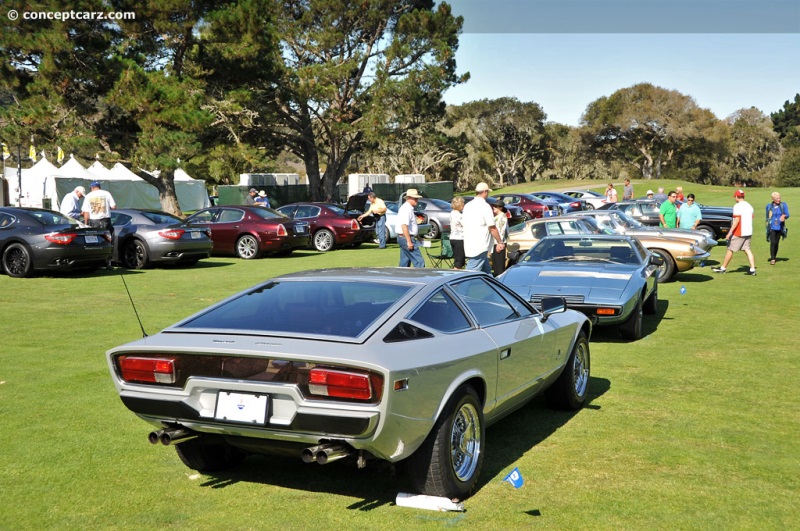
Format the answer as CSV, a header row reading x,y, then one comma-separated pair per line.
x,y
96,210
406,228
740,234
480,231
71,204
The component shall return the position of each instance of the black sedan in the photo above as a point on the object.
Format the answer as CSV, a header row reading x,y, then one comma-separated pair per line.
x,y
35,239
143,237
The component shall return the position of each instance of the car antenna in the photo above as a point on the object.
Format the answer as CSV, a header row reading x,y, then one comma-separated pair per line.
x,y
144,334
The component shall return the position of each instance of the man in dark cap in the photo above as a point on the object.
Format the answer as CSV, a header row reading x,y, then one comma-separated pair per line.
x,y
251,196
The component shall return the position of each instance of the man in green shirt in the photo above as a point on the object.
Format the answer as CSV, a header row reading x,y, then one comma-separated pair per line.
x,y
668,213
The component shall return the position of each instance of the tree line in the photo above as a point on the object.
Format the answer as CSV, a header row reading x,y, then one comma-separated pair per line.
x,y
334,87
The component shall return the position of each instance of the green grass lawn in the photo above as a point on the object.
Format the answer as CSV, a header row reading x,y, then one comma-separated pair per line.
x,y
694,426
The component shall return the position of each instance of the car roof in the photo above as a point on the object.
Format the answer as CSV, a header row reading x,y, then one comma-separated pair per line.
x,y
393,274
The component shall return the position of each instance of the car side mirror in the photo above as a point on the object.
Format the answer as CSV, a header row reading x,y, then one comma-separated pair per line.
x,y
656,260
551,305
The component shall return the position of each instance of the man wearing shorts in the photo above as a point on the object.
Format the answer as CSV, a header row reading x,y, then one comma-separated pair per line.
x,y
740,234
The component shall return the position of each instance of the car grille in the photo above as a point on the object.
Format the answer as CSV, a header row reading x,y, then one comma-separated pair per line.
x,y
571,299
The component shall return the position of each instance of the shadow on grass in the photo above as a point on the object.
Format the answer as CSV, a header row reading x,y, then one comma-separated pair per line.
x,y
378,484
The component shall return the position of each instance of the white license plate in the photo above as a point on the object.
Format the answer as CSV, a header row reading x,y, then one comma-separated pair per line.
x,y
242,407
196,235
300,230
91,239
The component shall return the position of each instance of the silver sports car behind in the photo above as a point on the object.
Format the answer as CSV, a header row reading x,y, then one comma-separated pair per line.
x,y
612,279
383,363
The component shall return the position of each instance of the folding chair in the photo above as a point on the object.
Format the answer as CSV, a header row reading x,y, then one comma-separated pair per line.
x,y
443,254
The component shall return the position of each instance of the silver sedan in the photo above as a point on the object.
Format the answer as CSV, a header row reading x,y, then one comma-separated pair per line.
x,y
370,364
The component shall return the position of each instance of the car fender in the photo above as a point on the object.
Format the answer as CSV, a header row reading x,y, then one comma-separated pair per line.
x,y
479,384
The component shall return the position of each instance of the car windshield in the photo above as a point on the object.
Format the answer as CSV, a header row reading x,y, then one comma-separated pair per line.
x,y
583,249
334,308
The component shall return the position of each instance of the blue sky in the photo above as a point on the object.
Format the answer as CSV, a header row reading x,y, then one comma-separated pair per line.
x,y
564,72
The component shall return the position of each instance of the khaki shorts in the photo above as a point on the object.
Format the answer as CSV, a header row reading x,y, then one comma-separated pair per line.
x,y
739,243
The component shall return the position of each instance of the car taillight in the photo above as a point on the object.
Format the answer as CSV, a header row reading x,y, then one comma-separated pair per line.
x,y
575,204
354,224
147,370
508,214
107,237
606,311
342,384
282,230
171,234
60,239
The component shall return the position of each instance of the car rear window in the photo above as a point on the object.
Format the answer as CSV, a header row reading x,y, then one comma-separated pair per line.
x,y
46,217
161,217
266,213
335,308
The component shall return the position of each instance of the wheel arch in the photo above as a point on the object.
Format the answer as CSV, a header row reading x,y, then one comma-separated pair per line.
x,y
472,379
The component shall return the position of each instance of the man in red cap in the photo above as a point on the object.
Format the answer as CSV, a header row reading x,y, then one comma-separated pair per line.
x,y
740,234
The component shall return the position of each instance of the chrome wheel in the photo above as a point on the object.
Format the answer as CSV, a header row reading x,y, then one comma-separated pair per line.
x,y
465,442
323,240
247,247
580,368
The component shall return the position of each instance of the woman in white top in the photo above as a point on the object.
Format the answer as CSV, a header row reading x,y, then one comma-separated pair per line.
x,y
457,233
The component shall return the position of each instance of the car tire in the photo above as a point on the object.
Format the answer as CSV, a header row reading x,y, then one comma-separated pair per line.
x,y
208,456
434,231
247,247
666,270
651,303
17,261
632,328
441,468
569,391
708,231
323,240
589,206
134,255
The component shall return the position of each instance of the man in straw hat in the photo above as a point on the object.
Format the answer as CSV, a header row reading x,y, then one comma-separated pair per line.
x,y
406,228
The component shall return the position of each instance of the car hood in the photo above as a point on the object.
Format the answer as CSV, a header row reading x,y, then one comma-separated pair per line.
x,y
592,281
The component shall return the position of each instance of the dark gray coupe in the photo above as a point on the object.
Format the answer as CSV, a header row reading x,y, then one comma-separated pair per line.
x,y
390,364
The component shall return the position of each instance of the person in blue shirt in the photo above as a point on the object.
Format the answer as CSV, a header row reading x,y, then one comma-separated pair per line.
x,y
689,214
777,214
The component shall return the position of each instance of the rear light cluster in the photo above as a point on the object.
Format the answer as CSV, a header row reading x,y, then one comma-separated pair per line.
x,y
354,225
147,370
171,234
315,382
575,204
60,238
343,384
282,230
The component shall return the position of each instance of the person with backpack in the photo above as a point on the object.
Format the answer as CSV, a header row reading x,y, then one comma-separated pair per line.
x,y
777,214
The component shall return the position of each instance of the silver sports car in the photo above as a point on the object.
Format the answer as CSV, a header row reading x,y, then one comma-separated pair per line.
x,y
612,279
382,363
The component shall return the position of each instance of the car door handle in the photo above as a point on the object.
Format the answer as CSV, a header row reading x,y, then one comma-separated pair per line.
x,y
505,354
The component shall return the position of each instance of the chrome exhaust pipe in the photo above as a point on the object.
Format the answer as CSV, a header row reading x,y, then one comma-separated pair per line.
x,y
309,455
176,435
331,453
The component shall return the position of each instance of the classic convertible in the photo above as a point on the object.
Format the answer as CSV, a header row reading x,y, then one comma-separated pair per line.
x,y
381,363
612,279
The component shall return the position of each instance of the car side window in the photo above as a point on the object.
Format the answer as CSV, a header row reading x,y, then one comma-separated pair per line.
x,y
440,312
6,220
230,215
204,216
118,219
307,211
484,302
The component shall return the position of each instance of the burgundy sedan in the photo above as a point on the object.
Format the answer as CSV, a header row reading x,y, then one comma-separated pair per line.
x,y
251,231
331,225
533,207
